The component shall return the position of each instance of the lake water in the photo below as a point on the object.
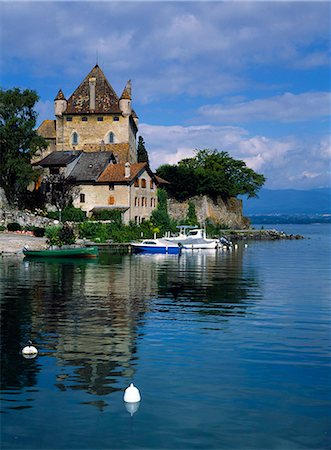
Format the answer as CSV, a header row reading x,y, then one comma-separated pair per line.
x,y
230,350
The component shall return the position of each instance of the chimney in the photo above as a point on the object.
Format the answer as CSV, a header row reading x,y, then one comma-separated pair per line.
x,y
91,82
127,171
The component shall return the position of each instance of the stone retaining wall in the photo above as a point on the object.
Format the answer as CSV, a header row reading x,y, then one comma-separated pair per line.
x,y
24,218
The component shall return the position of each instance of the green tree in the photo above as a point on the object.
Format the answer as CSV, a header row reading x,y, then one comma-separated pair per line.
x,y
60,192
211,173
142,154
160,217
19,141
191,217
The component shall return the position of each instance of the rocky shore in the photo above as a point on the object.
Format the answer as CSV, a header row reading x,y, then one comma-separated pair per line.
x,y
258,235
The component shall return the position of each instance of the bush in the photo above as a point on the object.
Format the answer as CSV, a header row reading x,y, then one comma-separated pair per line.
x,y
14,226
39,231
115,215
69,214
67,235
2,228
53,235
94,231
59,236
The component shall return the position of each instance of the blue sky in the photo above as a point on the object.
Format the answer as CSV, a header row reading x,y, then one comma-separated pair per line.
x,y
250,78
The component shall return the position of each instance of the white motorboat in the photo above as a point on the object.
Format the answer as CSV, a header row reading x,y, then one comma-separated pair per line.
x,y
193,238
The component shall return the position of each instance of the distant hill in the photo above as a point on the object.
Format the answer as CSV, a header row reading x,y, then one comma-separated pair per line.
x,y
289,201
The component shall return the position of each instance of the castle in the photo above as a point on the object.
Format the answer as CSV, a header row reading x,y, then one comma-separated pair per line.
x,y
92,143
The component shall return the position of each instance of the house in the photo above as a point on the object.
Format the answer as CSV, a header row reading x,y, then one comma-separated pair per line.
x,y
92,143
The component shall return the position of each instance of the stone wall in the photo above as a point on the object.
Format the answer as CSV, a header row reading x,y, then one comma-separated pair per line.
x,y
219,212
24,218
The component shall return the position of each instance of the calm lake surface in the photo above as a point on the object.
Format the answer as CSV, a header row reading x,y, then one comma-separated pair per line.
x,y
230,350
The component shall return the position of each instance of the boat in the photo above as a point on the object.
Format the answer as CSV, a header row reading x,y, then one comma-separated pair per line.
x,y
63,252
193,238
156,246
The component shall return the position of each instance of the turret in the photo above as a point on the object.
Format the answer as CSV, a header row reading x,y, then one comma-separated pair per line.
x,y
60,104
125,100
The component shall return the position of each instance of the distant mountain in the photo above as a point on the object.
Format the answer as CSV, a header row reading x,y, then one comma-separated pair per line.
x,y
289,201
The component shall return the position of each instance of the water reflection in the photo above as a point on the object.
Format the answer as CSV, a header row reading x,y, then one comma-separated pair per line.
x,y
87,318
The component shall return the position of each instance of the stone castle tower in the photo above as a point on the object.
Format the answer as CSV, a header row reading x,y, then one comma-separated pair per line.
x,y
94,119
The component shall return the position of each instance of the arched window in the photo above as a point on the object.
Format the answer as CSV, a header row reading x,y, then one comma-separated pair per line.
x,y
111,138
74,138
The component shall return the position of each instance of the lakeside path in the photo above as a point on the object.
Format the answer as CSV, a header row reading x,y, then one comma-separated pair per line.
x,y
13,243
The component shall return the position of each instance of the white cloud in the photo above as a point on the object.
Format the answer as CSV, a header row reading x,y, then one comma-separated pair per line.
x,y
286,162
287,107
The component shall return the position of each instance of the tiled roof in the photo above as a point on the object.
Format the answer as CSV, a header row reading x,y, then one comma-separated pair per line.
x,y
59,159
47,129
126,94
60,95
115,173
106,100
90,165
121,151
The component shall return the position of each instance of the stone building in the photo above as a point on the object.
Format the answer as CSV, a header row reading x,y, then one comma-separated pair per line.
x,y
92,141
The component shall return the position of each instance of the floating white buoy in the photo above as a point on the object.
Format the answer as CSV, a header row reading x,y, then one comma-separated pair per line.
x,y
30,350
132,394
246,245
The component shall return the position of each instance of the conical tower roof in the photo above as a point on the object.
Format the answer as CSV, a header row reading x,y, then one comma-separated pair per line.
x,y
126,94
106,100
60,96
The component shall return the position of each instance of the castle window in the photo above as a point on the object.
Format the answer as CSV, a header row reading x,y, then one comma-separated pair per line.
x,y
84,119
111,200
151,184
116,119
151,202
143,183
82,198
136,201
111,138
100,119
69,119
111,187
74,138
136,182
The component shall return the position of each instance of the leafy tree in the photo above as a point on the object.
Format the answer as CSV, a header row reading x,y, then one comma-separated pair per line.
x,y
142,154
160,217
191,218
60,192
211,173
19,141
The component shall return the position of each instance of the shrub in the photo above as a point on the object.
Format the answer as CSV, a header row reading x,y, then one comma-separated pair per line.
x,y
14,226
67,235
39,231
69,214
94,230
52,234
2,228
104,214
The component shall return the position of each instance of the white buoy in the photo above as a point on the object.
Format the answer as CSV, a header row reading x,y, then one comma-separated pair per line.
x,y
132,394
30,350
246,245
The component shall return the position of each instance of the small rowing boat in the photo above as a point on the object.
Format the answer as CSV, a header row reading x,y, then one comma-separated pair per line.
x,y
63,252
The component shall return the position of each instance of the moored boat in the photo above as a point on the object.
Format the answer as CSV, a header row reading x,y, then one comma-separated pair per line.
x,y
63,252
194,238
156,246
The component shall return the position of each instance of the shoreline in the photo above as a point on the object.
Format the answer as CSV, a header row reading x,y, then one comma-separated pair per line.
x,y
12,243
